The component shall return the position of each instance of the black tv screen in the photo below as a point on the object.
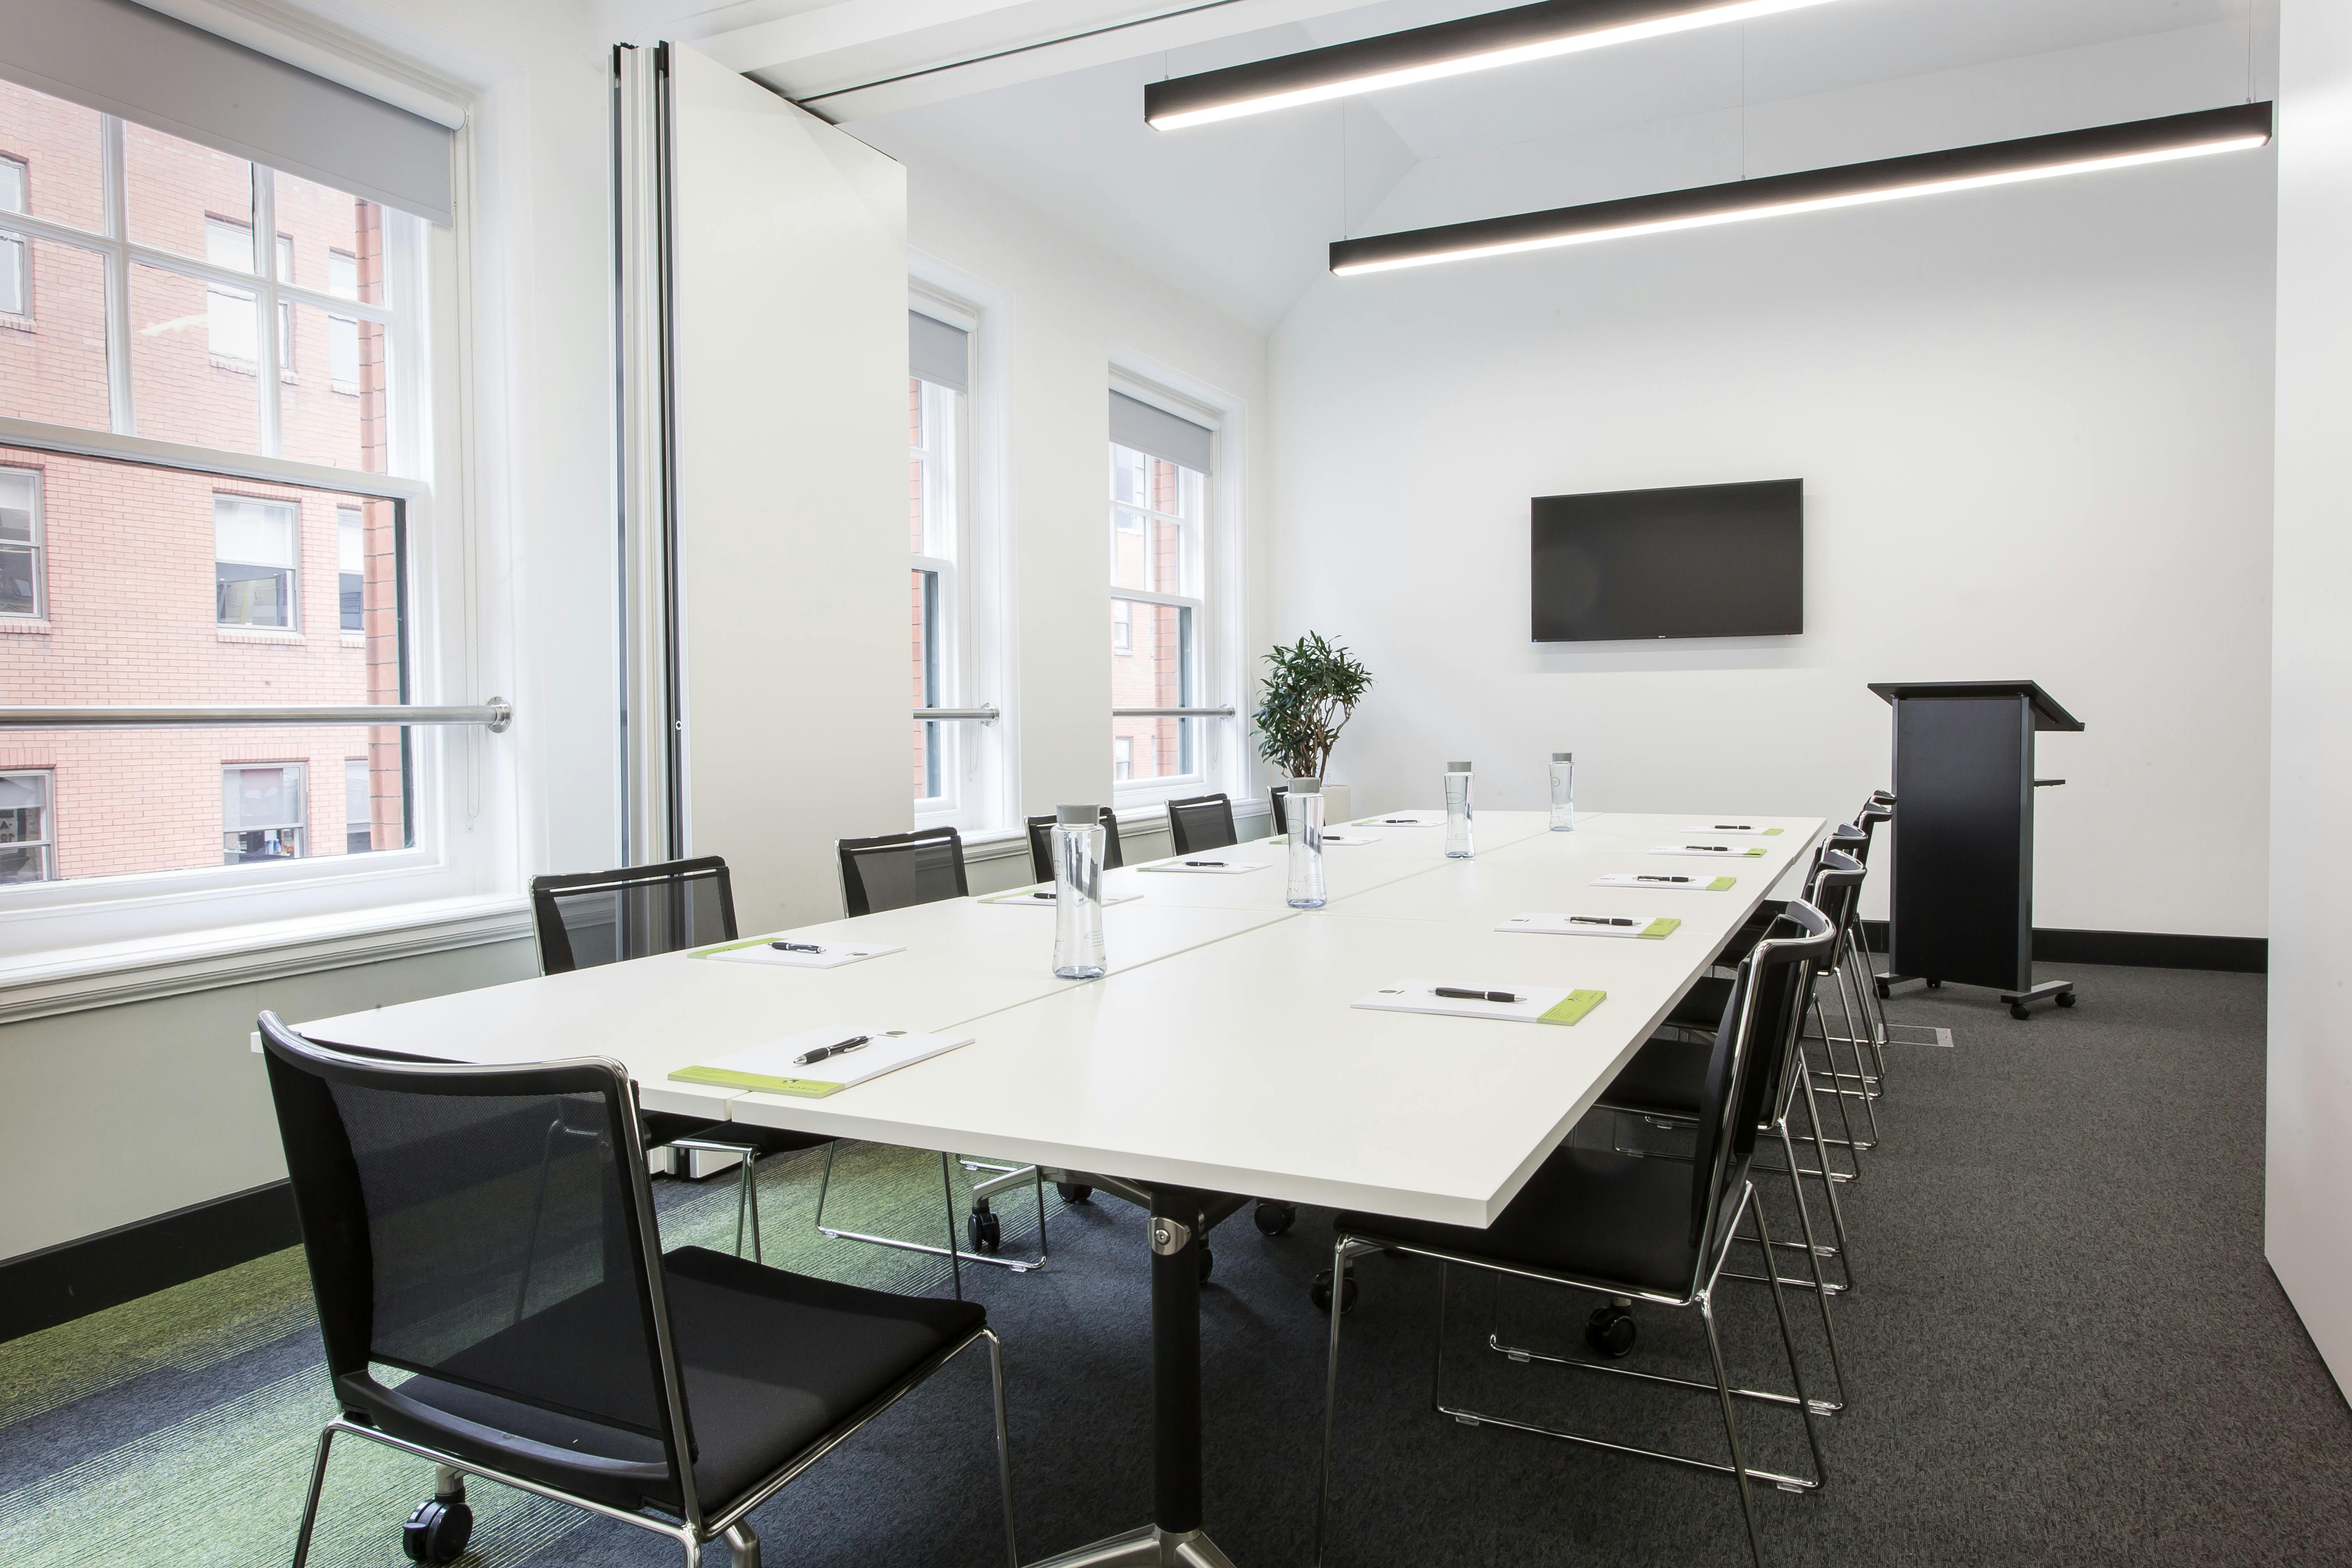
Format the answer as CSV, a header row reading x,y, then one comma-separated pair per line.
x,y
1699,561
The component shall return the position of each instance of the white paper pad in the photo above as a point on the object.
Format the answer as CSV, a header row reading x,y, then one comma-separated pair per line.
x,y
830,955
1568,925
1206,866
1708,851
769,1067
1043,897
1728,830
1403,819
1333,838
1677,884
1421,996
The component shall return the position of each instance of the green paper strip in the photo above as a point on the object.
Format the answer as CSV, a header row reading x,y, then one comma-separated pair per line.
x,y
1663,926
1017,896
728,1078
1574,1007
1769,831
1753,854
1722,884
730,946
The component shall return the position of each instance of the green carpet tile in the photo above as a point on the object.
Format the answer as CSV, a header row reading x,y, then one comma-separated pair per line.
x,y
179,1429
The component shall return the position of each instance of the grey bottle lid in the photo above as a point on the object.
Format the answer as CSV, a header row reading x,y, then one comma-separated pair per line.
x,y
1563,756
1077,815
1457,767
1305,786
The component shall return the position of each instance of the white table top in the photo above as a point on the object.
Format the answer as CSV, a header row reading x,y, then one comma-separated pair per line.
x,y
1221,1052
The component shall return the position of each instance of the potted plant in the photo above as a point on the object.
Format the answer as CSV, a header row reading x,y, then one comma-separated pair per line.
x,y
1307,698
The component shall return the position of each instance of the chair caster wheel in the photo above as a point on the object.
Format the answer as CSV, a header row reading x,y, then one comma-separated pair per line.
x,y
982,1229
1884,993
1322,1293
1073,1192
1274,1219
438,1532
2066,998
1935,985
2017,1010
1611,1331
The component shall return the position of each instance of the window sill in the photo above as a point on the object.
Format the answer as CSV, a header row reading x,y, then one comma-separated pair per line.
x,y
12,322
259,635
23,627
70,979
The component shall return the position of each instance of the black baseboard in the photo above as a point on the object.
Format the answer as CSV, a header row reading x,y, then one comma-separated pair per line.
x,y
2136,949
73,1279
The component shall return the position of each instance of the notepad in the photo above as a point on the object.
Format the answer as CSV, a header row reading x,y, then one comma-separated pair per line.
x,y
1661,883
769,1067
1205,864
1403,819
1568,925
829,954
1708,851
1729,829
1332,838
1042,896
1544,1004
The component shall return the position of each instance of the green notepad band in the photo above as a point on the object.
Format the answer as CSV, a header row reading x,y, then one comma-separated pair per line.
x,y
1663,925
1752,853
1017,896
1769,831
767,1083
730,946
1722,884
1574,1007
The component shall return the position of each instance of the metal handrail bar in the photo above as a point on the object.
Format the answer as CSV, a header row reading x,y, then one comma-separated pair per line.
x,y
494,715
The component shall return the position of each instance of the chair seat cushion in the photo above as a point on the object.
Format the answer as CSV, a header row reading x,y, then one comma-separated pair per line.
x,y
773,1361
1666,1077
1587,1214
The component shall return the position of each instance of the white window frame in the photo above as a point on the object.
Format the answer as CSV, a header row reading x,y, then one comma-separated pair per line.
x,y
945,508
38,546
82,941
23,309
47,842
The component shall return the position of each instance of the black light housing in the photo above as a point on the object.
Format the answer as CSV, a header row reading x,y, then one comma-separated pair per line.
x,y
2173,136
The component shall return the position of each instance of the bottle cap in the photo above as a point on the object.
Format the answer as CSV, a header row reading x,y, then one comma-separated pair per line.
x,y
1457,767
1305,786
1077,815
1563,756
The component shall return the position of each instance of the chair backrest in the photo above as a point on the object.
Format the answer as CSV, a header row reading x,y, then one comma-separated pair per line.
x,y
589,918
1041,844
1204,822
490,1227
901,868
1281,821
1760,1018
1834,886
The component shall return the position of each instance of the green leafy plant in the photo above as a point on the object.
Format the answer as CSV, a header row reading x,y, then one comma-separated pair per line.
x,y
1305,702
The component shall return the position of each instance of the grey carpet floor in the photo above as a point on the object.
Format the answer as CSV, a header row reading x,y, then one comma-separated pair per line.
x,y
2065,1348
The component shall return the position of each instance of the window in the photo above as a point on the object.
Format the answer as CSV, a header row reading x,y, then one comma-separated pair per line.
x,y
25,854
229,321
1158,519
350,568
949,786
12,181
20,544
261,813
359,822
344,331
284,306
256,550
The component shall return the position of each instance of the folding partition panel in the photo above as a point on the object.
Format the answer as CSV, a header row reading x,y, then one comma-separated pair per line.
x,y
764,487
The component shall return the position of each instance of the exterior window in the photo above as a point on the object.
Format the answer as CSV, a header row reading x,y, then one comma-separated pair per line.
x,y
935,522
359,826
256,550
229,321
1158,517
12,181
351,564
26,853
261,813
21,572
284,306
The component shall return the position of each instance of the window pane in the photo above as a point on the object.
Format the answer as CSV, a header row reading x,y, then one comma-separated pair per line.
x,y
20,537
331,404
1152,671
337,239
915,467
350,568
53,343
24,828
262,813
1156,511
14,274
192,367
172,187
359,823
255,558
51,165
927,739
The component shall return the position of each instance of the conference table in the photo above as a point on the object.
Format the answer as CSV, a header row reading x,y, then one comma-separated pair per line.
x,y
1221,1057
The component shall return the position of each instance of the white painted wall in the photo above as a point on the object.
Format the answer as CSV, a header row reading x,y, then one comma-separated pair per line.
x,y
2308,1221
2033,425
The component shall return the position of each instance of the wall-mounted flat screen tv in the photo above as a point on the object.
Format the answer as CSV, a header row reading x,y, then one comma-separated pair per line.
x,y
1698,560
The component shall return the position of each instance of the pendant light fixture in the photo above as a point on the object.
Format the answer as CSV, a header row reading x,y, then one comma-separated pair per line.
x,y
2164,140
1425,54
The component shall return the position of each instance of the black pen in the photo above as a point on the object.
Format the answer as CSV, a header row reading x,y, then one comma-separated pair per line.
x,y
1204,862
1710,848
1646,877
1597,921
1734,827
797,946
1042,895
1459,994
821,1052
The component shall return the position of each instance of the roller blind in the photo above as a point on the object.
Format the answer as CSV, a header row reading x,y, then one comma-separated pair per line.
x,y
124,60
1155,430
938,352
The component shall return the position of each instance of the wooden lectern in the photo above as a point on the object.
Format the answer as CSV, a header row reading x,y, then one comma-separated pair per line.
x,y
1963,875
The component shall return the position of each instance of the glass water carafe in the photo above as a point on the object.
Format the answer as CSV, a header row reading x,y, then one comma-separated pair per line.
x,y
1078,893
1303,814
1457,812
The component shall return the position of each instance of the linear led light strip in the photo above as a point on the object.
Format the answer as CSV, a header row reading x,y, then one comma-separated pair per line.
x,y
1428,53
2162,140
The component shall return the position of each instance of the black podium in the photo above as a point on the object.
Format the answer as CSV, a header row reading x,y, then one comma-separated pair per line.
x,y
1963,872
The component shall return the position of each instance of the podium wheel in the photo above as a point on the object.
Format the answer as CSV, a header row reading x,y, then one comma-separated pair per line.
x,y
1935,985
2017,1010
2066,998
1882,992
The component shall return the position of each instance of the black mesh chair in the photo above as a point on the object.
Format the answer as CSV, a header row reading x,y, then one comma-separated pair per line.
x,y
1204,822
1041,844
552,1346
899,870
593,918
1281,821
1634,1228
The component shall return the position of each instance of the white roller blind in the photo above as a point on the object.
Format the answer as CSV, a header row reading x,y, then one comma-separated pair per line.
x,y
123,59
938,352
252,532
1155,430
